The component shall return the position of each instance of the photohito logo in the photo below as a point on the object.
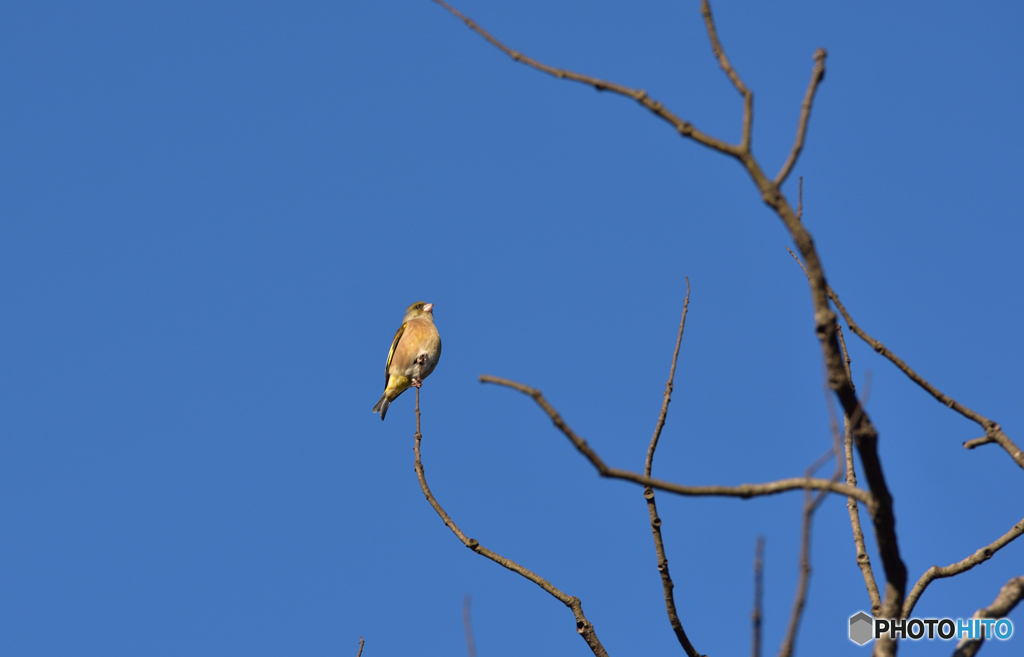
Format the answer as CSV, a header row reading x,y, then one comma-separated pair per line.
x,y
864,628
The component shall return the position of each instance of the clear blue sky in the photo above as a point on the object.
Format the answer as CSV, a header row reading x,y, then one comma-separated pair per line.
x,y
212,216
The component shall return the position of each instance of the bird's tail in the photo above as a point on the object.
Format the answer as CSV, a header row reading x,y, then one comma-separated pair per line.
x,y
382,406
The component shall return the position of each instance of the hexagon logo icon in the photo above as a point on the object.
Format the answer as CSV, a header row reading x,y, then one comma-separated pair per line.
x,y
861,626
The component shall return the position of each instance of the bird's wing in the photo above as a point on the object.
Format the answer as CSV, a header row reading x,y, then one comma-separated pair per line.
x,y
391,354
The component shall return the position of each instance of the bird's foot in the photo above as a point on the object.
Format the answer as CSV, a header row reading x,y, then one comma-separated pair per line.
x,y
416,383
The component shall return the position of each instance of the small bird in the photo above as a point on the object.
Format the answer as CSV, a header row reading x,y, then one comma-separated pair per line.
x,y
413,356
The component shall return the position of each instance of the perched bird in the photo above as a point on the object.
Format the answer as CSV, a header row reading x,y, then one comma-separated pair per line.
x,y
413,356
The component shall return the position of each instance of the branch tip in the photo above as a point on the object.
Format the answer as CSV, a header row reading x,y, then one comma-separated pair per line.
x,y
588,633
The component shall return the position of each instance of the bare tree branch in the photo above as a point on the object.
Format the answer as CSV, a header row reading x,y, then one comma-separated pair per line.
x,y
467,624
723,62
1011,594
842,346
755,615
865,435
980,556
667,397
361,643
811,504
863,561
583,626
976,442
684,128
993,432
817,74
797,258
652,509
743,490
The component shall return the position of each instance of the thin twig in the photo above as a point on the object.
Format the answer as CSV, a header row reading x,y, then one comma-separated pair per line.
x,y
467,624
723,62
755,615
583,626
817,74
652,509
684,128
977,442
846,354
863,560
667,397
743,490
980,556
361,643
811,504
797,258
1011,594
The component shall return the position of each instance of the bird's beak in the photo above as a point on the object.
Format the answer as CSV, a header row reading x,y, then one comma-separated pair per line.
x,y
428,307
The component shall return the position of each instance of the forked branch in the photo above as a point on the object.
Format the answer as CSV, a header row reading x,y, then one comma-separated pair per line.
x,y
684,128
865,435
730,72
583,626
993,432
